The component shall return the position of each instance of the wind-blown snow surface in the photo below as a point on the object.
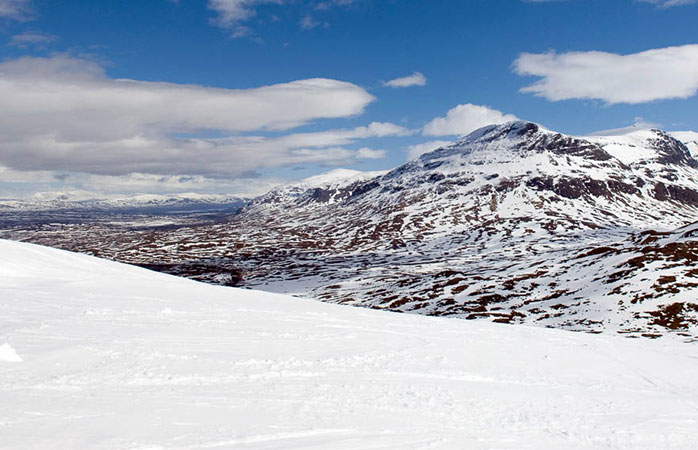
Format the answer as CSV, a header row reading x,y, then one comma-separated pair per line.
x,y
116,357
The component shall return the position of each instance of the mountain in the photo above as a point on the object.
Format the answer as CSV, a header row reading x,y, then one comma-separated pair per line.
x,y
513,223
522,171
99,355
689,138
326,188
144,203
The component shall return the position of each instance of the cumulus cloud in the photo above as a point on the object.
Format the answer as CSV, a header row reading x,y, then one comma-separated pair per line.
x,y
664,73
464,119
416,79
63,114
15,9
417,150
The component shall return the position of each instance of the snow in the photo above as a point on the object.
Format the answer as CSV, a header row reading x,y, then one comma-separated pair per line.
x,y
8,354
117,357
629,147
337,177
61,200
690,138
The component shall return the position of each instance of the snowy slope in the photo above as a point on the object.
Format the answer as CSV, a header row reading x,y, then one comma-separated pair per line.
x,y
689,138
98,355
327,187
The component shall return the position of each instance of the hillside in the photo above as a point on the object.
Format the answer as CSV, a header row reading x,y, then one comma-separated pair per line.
x,y
99,355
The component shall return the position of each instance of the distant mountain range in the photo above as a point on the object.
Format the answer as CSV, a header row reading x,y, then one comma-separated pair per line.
x,y
147,203
513,223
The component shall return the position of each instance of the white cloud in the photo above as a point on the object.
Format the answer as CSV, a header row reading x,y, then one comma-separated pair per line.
x,y
368,153
15,9
307,22
664,73
62,114
31,38
81,186
416,79
341,137
417,150
464,119
35,176
659,3
68,97
143,183
670,3
323,5
231,12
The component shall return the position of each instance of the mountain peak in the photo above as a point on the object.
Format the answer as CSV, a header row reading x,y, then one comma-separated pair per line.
x,y
515,140
509,130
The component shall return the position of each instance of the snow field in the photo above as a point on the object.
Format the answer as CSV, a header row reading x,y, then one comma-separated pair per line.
x,y
117,357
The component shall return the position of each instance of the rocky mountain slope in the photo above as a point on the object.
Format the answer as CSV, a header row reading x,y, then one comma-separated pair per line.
x,y
513,223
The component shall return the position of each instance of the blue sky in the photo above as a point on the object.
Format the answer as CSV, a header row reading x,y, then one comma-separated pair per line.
x,y
469,53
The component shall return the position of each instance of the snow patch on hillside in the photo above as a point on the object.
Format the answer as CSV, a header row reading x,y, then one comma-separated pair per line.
x,y
629,147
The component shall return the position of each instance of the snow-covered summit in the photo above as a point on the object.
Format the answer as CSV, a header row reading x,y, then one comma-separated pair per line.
x,y
509,130
327,187
105,356
514,141
337,178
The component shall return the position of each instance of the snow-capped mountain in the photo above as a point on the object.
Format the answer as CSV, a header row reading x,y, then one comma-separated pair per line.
x,y
328,186
518,171
144,202
513,223
99,355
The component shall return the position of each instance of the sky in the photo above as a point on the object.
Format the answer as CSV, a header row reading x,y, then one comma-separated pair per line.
x,y
112,98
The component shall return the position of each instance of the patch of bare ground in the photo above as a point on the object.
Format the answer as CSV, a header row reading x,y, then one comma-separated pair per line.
x,y
676,316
